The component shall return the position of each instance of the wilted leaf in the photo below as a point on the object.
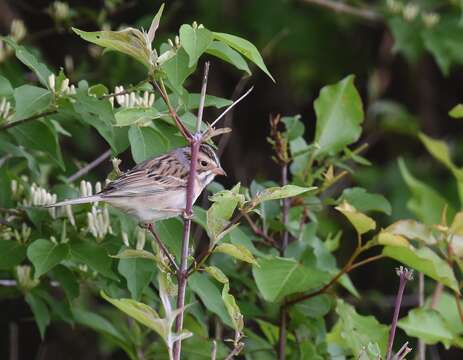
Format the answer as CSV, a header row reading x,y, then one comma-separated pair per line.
x,y
361,222
217,274
134,254
275,193
426,261
412,230
232,308
237,251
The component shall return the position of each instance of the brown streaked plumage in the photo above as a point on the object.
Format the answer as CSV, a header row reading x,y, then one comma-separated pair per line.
x,y
156,188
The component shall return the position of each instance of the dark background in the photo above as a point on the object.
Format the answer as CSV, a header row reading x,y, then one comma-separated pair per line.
x,y
305,47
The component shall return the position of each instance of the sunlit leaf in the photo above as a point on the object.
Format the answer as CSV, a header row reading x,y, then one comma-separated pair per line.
x,y
195,41
237,251
45,255
361,222
232,308
413,230
222,51
364,201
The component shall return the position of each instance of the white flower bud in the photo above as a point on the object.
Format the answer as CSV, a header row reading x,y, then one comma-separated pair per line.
x,y
177,41
111,101
410,11
72,90
141,239
70,214
65,86
51,82
18,30
200,26
430,19
97,187
151,100
14,187
125,239
89,188
83,188
171,44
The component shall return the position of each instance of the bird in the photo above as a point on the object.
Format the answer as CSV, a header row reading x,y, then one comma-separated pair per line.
x,y
155,189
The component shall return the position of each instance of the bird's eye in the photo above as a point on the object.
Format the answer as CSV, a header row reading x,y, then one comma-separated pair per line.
x,y
203,163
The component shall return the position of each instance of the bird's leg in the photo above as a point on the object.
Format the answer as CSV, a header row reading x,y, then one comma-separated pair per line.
x,y
161,245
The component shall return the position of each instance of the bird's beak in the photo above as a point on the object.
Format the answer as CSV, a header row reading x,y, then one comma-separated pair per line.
x,y
219,171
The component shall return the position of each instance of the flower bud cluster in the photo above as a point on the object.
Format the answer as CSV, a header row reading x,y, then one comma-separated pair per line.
x,y
98,222
411,11
39,196
59,11
18,32
25,279
6,110
132,99
64,87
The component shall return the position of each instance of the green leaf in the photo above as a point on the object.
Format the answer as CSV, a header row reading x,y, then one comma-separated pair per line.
x,y
339,115
278,277
237,251
364,201
99,114
194,41
129,41
67,281
139,273
145,143
217,274
13,253
426,203
283,192
202,286
101,325
427,325
407,37
361,222
448,309
39,135
6,90
45,255
413,230
136,116
457,111
94,256
30,61
135,254
387,238
40,311
30,100
177,69
222,51
232,308
354,331
18,151
294,127
426,261
244,47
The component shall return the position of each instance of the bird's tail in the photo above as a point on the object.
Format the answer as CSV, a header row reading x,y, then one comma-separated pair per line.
x,y
82,200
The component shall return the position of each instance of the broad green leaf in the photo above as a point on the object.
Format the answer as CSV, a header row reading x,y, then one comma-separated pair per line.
x,y
217,216
170,231
135,254
407,37
40,311
194,41
202,286
413,230
129,41
339,116
45,255
19,151
278,277
177,69
363,201
232,308
354,331
145,315
26,57
138,272
244,47
315,307
283,192
427,325
457,111
12,254
67,280
217,274
101,325
426,203
222,51
136,116
94,256
443,42
6,90
361,222
426,261
387,238
39,135
237,251
447,308
294,127
145,143
30,100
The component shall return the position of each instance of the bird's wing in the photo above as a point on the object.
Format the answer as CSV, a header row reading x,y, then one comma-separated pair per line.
x,y
142,181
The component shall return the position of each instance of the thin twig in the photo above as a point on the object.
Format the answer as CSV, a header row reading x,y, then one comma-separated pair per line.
x,y
182,274
259,232
421,344
161,245
90,166
343,8
236,102
14,348
30,118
